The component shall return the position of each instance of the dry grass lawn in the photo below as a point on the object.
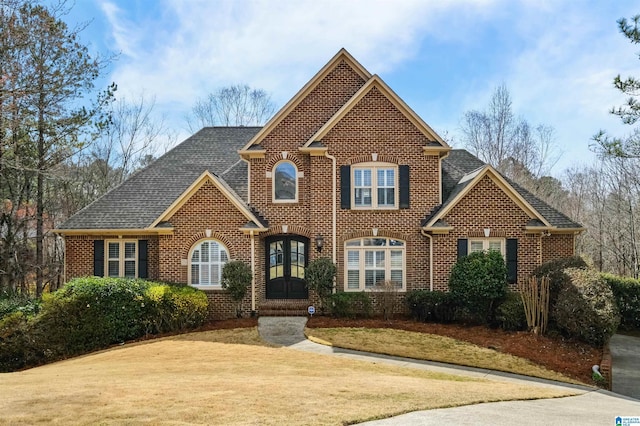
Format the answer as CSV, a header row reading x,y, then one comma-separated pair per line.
x,y
211,378
430,347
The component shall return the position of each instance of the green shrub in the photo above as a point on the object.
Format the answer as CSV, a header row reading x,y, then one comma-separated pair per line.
x,y
93,313
436,306
586,309
557,278
626,292
350,305
236,279
320,275
510,314
176,308
479,282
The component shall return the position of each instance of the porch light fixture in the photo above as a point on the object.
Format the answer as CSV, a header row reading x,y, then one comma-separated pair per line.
x,y
319,242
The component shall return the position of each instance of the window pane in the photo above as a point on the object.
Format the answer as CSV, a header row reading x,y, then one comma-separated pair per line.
x,y
357,177
224,257
204,274
396,243
284,180
368,259
396,259
195,274
195,257
368,279
130,250
215,274
363,196
495,245
353,243
380,259
475,246
353,279
353,260
114,250
386,197
375,241
366,177
130,268
204,252
396,277
114,268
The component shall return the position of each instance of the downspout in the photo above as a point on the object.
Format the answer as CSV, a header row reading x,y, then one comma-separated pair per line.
x,y
253,273
248,179
334,208
423,232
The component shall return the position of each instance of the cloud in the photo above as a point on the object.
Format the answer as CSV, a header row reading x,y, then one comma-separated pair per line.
x,y
191,48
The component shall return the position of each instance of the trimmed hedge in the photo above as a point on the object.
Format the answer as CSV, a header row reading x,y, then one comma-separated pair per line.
x,y
350,305
479,282
93,313
626,292
435,306
586,308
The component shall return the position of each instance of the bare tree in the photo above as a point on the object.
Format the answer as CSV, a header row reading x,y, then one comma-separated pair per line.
x,y
237,105
507,142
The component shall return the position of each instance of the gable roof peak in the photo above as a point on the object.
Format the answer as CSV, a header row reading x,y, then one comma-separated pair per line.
x,y
342,56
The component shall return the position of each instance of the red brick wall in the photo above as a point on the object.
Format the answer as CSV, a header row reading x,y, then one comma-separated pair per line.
x,y
486,206
557,246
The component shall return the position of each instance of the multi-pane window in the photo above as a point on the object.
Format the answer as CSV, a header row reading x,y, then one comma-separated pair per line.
x,y
486,244
372,261
122,259
374,187
207,260
285,182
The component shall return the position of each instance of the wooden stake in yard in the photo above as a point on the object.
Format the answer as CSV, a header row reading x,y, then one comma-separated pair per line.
x,y
535,298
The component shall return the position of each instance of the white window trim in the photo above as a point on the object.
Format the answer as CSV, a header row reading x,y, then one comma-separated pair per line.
x,y
374,167
121,259
361,260
207,286
273,183
485,244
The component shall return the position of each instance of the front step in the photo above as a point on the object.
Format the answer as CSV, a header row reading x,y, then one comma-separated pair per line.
x,y
284,308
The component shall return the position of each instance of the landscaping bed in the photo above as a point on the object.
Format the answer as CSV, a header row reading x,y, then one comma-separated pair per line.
x,y
571,358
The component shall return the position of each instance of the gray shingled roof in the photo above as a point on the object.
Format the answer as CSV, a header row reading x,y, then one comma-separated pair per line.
x,y
460,163
141,199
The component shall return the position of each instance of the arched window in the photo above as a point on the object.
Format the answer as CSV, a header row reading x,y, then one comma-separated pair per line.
x,y
285,182
372,261
206,262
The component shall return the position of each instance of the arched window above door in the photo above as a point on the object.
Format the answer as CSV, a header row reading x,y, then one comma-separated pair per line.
x,y
285,182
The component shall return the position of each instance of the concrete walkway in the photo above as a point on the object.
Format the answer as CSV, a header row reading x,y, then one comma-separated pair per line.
x,y
625,354
591,407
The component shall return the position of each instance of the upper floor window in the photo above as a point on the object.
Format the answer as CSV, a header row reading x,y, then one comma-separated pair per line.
x,y
122,259
372,261
375,186
206,262
285,182
486,244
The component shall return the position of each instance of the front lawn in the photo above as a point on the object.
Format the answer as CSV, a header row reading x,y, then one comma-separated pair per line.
x,y
230,377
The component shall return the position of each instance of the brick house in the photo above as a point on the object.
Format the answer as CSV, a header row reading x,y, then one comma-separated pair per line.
x,y
344,170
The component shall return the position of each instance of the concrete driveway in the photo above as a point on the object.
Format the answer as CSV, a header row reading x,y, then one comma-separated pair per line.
x,y
625,363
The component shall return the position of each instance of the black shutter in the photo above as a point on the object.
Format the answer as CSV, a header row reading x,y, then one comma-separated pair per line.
x,y
463,246
142,259
404,186
98,258
512,260
345,187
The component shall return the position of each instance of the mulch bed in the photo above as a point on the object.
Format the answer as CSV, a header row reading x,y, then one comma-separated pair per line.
x,y
569,357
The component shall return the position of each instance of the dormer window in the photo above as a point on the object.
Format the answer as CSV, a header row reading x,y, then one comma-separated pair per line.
x,y
285,182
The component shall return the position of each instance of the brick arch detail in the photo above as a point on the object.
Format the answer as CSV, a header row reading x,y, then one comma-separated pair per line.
x,y
365,233
368,159
200,236
278,157
292,230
